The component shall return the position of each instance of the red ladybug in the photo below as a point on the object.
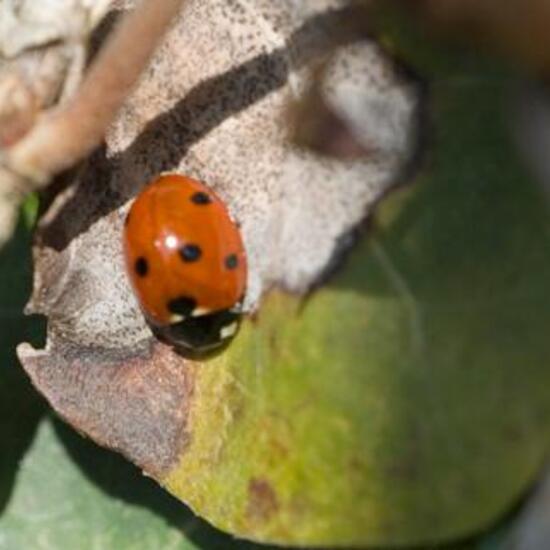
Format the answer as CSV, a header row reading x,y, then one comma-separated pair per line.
x,y
186,262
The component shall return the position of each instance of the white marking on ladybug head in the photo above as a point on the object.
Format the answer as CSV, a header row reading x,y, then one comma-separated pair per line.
x,y
228,331
176,318
198,311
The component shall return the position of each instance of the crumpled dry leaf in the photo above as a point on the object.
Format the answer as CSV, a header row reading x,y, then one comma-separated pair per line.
x,y
43,49
211,105
25,24
43,46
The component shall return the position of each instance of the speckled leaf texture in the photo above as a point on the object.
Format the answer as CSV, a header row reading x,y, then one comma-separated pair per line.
x,y
387,386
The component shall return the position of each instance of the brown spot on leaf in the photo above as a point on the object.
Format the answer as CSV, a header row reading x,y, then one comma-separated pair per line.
x,y
262,500
316,126
136,404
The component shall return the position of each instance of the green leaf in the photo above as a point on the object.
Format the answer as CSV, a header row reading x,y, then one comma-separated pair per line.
x,y
60,503
408,400
29,210
72,494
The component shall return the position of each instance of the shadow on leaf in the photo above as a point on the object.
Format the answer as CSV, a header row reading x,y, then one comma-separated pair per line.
x,y
206,106
120,479
20,405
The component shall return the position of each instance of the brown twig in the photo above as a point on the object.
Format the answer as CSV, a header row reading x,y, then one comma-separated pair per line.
x,y
63,137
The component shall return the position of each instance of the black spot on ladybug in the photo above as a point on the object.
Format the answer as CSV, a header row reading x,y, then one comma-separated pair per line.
x,y
184,305
231,261
201,198
141,266
190,252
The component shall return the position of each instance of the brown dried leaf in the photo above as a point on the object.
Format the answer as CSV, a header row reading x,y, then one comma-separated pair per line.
x,y
43,48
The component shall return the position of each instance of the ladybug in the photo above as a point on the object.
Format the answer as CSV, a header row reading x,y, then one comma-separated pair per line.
x,y
186,263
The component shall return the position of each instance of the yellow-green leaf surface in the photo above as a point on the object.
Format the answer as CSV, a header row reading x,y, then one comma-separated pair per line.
x,y
407,400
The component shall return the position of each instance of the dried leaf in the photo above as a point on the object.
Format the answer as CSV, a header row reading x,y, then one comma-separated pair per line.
x,y
26,25
212,105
